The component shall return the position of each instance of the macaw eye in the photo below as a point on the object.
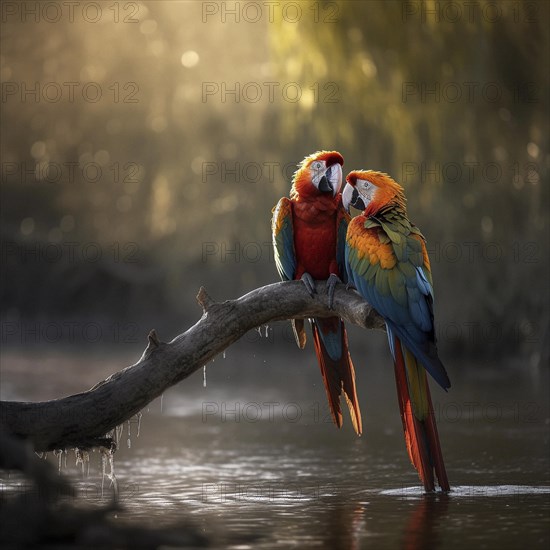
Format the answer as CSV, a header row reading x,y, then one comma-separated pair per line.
x,y
365,184
317,165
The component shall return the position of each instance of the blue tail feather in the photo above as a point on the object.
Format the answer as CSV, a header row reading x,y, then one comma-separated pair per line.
x,y
332,339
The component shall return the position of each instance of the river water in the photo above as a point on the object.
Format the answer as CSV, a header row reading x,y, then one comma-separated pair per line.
x,y
253,461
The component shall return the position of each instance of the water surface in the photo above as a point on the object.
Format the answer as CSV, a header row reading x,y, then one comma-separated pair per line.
x,y
257,456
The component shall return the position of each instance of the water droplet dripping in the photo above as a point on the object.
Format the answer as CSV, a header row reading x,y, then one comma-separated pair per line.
x,y
82,458
119,433
103,464
107,455
139,415
59,455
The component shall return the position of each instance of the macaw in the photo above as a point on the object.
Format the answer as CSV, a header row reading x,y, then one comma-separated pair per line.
x,y
309,231
387,262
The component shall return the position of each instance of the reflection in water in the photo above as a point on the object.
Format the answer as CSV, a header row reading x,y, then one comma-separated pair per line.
x,y
291,487
307,485
421,528
347,527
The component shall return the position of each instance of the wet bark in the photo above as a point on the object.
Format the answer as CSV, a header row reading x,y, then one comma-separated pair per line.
x,y
83,420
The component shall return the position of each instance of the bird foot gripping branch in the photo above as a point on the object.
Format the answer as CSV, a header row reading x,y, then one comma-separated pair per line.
x,y
332,281
309,283
309,230
383,256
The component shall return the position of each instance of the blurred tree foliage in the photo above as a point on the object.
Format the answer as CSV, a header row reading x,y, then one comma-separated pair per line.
x,y
190,178
452,101
454,104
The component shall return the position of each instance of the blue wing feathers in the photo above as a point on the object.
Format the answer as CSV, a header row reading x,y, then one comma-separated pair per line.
x,y
409,314
425,353
341,249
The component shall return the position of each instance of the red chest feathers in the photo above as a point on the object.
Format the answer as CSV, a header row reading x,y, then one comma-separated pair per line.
x,y
315,238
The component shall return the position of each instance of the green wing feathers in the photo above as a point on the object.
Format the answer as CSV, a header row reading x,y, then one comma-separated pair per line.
x,y
282,231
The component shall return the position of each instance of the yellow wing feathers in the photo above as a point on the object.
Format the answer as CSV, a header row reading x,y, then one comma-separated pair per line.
x,y
366,243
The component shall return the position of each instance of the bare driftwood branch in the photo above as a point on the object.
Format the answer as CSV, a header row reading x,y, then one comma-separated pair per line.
x,y
84,419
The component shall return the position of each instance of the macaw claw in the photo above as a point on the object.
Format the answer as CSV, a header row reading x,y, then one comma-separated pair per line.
x,y
332,281
308,281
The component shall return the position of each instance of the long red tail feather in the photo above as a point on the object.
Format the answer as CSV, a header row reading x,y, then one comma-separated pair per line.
x,y
433,439
338,377
421,436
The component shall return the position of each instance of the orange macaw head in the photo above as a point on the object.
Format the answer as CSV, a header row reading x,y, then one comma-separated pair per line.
x,y
370,191
317,174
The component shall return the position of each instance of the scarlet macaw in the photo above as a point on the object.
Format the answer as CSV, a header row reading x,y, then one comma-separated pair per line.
x,y
387,261
309,231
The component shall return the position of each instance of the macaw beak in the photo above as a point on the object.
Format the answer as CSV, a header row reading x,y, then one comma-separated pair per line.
x,y
332,180
351,197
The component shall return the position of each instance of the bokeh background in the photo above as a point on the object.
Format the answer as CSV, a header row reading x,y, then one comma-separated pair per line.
x,y
143,146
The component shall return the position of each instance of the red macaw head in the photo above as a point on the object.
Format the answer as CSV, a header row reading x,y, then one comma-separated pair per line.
x,y
318,174
369,191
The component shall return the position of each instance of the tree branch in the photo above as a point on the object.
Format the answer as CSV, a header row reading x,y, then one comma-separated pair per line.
x,y
82,420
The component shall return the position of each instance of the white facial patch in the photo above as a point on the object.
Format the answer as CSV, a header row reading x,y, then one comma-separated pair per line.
x,y
366,189
318,169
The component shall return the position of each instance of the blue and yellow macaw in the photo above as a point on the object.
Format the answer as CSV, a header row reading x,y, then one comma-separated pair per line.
x,y
309,232
387,262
